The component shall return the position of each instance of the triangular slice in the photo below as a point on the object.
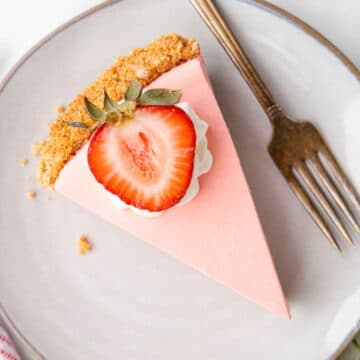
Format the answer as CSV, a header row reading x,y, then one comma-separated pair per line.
x,y
218,232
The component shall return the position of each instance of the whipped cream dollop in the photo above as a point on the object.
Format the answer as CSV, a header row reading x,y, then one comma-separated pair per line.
x,y
202,164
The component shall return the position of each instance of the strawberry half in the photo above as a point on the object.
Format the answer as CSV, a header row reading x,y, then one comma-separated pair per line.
x,y
146,161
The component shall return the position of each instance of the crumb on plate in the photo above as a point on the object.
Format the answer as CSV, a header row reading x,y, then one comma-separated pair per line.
x,y
31,195
23,162
60,109
36,147
83,245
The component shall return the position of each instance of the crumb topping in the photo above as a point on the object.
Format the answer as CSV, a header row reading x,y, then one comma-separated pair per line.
x,y
23,162
144,65
31,195
83,245
36,147
60,109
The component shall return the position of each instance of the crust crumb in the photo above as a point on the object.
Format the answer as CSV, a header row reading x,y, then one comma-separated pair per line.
x,y
83,245
31,195
60,109
145,65
23,162
36,147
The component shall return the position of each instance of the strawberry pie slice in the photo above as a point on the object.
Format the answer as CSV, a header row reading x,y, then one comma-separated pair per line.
x,y
146,148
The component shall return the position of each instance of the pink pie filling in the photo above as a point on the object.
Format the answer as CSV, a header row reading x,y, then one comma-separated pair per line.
x,y
218,232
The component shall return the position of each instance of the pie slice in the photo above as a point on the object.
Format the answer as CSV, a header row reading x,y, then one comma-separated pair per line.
x,y
218,232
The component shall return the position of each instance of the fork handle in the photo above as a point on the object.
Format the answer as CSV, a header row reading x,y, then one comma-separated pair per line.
x,y
217,25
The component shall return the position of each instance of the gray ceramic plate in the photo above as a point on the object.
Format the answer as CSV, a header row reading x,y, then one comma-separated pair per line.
x,y
126,300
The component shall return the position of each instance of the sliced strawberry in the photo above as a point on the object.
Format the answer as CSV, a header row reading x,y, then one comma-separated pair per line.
x,y
148,161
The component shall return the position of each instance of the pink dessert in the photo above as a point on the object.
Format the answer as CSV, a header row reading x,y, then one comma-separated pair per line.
x,y
224,238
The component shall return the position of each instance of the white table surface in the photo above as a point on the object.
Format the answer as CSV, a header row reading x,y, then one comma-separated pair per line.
x,y
25,22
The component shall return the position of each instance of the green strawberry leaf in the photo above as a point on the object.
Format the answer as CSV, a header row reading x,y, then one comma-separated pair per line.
x,y
93,111
160,97
79,124
109,104
133,92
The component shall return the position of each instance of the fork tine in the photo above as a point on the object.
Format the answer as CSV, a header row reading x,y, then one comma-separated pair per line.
x,y
341,177
310,207
309,180
332,189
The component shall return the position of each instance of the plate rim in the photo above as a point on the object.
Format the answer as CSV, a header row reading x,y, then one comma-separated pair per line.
x,y
262,4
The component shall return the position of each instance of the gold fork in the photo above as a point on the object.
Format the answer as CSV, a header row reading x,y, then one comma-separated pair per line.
x,y
296,147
